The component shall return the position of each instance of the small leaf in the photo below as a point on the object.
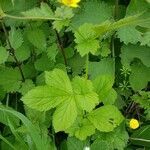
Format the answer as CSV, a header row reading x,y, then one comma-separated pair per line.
x,y
10,79
85,37
37,38
16,38
3,55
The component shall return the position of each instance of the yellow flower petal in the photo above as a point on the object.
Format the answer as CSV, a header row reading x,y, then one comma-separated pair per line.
x,y
134,124
70,3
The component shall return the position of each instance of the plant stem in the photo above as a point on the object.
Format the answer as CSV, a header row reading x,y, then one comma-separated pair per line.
x,y
28,18
116,12
60,45
87,66
12,52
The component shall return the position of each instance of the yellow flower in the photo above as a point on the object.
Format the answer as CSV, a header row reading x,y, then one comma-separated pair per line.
x,y
134,124
70,3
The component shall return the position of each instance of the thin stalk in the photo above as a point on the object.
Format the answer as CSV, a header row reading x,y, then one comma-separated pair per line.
x,y
60,45
12,52
7,100
87,67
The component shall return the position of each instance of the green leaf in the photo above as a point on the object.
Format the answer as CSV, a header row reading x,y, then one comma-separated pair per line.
x,y
82,128
65,115
23,52
100,145
110,98
104,67
129,34
85,37
77,64
59,81
105,49
103,86
15,38
100,10
66,97
41,98
43,12
65,13
139,76
142,136
116,139
44,63
106,118
136,6
85,130
75,144
10,79
35,135
146,39
130,52
3,55
84,93
143,99
52,51
26,86
5,117
37,38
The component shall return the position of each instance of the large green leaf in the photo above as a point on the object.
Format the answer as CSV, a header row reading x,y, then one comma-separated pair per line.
x,y
67,97
106,118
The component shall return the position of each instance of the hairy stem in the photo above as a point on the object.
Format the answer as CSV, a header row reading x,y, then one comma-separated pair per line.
x,y
28,17
12,52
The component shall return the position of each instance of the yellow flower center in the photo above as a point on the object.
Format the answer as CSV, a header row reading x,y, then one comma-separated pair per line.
x,y
134,124
70,3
